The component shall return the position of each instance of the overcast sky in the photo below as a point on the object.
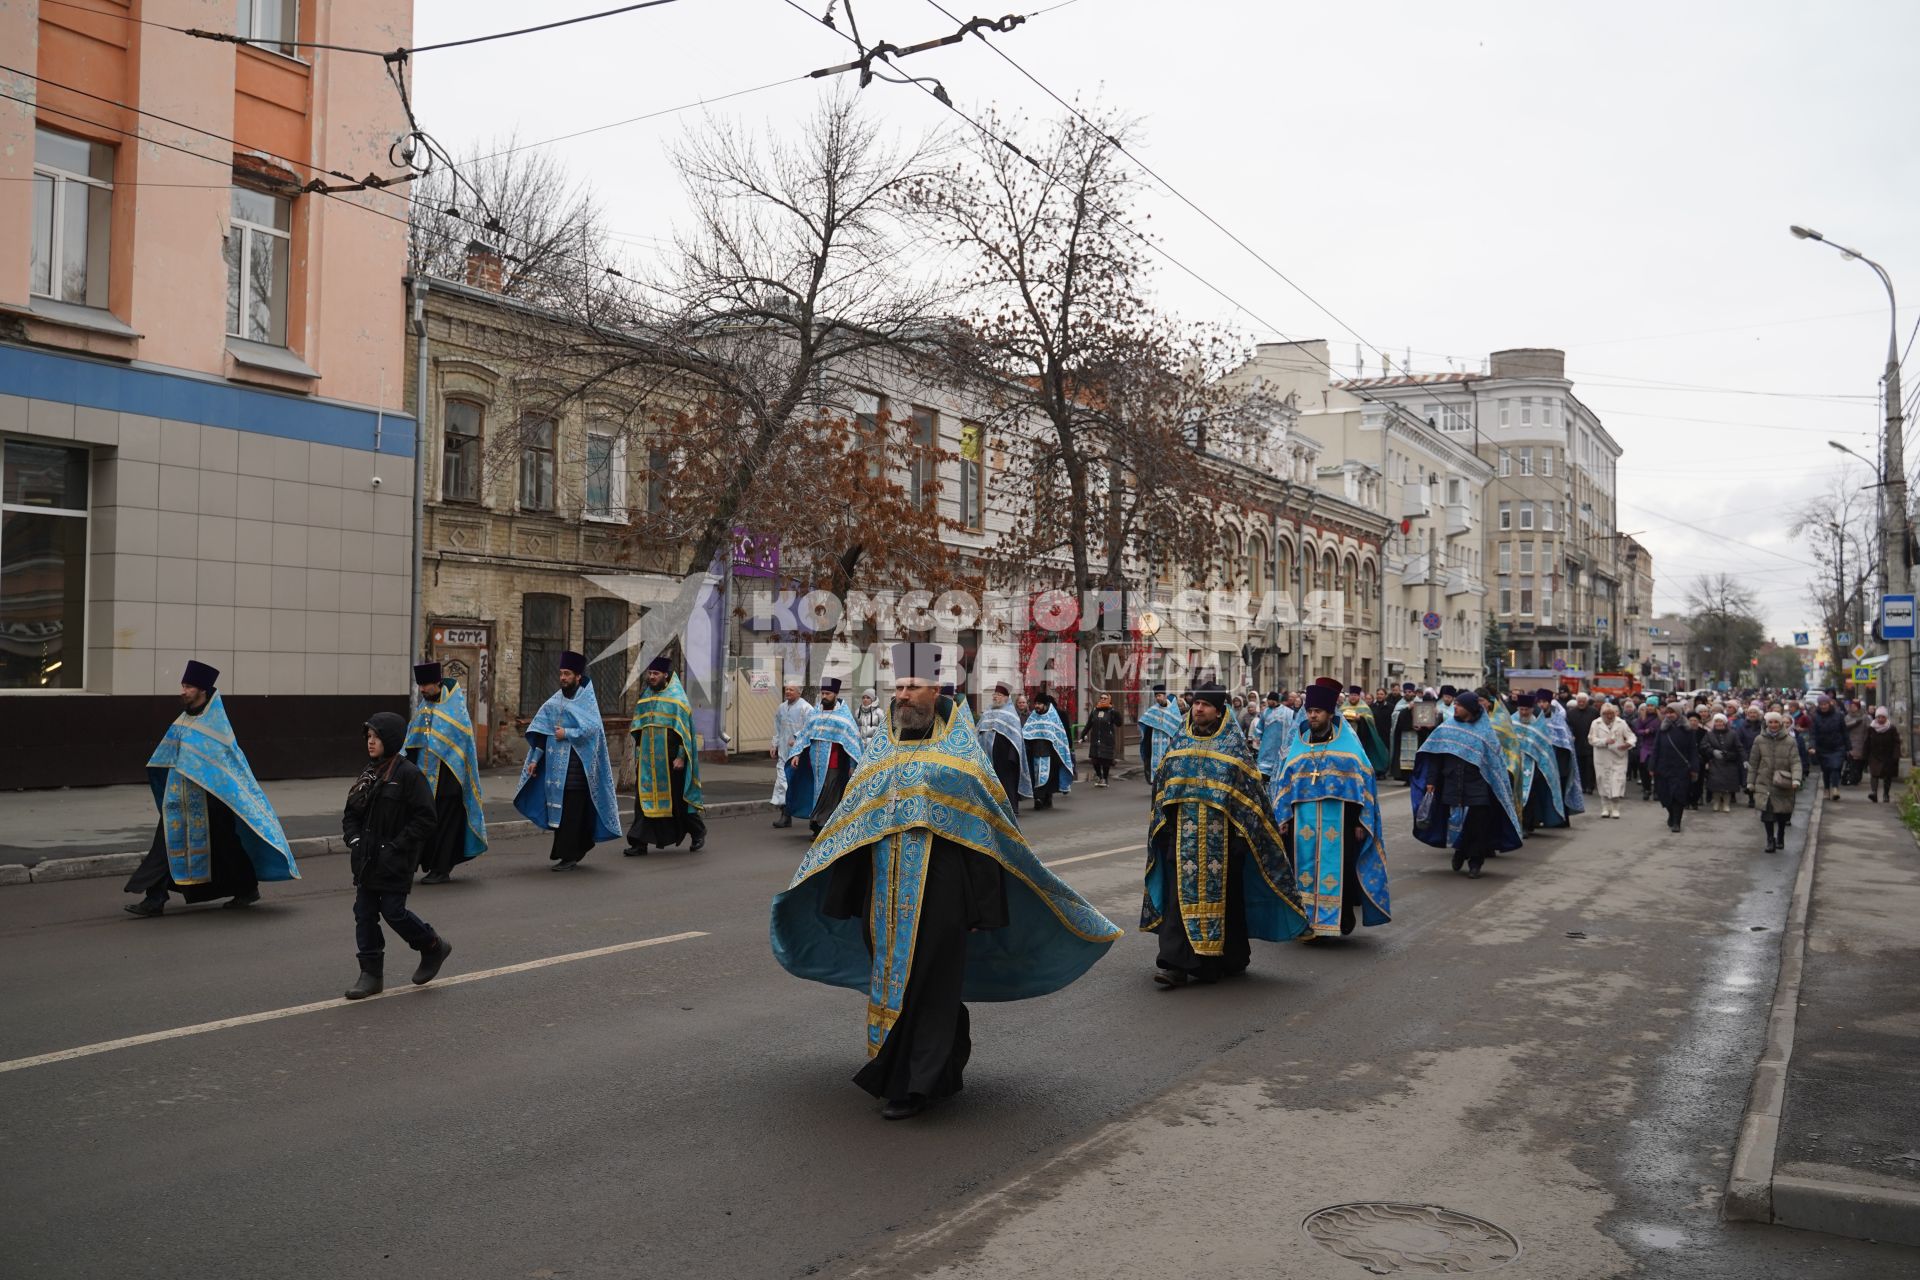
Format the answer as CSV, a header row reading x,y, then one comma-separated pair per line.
x,y
1612,179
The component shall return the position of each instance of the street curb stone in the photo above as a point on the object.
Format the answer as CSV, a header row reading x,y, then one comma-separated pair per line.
x,y
1754,1192
99,865
1749,1195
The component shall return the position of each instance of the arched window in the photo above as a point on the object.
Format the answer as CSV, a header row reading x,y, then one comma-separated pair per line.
x,y
1286,581
1257,567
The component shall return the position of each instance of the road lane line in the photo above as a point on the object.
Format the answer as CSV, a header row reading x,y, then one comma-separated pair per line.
x,y
201,1028
1089,857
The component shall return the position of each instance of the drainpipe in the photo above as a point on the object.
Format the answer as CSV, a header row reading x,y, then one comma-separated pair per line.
x,y
415,617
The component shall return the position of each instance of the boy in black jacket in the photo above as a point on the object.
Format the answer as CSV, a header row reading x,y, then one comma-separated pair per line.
x,y
390,813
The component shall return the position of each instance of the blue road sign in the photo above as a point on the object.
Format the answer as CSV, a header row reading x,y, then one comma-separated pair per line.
x,y
1896,618
1800,637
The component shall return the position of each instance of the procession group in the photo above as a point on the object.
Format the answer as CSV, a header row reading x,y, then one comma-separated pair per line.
x,y
919,887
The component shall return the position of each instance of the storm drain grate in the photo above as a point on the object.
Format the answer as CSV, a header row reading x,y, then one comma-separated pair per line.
x,y
1421,1239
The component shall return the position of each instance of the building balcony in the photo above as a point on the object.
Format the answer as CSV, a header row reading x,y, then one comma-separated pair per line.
x,y
1459,519
1415,572
1416,500
1461,582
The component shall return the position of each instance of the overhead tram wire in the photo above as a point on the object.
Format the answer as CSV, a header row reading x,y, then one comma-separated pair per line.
x,y
392,55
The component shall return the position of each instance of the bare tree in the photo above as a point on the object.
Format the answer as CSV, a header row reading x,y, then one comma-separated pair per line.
x,y
1724,616
1106,404
1838,526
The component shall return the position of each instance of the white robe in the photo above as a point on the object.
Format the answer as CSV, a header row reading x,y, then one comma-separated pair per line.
x,y
788,719
1612,744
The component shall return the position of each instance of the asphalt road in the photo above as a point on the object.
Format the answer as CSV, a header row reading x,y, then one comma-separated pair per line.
x,y
684,1108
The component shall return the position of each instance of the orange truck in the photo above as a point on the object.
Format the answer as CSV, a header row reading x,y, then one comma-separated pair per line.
x,y
1614,684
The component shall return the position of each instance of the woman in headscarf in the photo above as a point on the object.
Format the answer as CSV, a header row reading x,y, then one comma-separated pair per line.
x,y
1644,730
1774,770
1745,732
1882,756
1720,760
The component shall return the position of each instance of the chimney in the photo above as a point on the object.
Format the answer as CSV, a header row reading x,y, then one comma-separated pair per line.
x,y
1530,362
483,266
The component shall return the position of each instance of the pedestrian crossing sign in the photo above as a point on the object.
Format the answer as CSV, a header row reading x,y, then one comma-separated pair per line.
x,y
1863,675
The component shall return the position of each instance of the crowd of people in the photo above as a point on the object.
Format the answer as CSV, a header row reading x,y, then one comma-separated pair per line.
x,y
918,886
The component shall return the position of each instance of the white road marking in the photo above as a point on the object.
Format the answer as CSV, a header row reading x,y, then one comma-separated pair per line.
x,y
201,1028
1089,857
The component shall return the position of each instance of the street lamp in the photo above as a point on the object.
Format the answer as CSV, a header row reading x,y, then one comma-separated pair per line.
x,y
1894,567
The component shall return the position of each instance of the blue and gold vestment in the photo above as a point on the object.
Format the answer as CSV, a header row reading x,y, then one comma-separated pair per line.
x,y
1207,792
903,797
1561,735
1476,743
1316,783
812,755
442,732
1005,723
1539,775
542,797
1046,726
1165,723
657,713
198,757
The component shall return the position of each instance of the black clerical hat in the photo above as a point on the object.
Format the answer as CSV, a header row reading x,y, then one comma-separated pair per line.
x,y
426,673
199,675
574,662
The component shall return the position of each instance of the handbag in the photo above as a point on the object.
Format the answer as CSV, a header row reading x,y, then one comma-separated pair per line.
x,y
1783,779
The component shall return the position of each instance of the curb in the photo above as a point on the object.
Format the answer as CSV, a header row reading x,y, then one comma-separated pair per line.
x,y
1749,1195
1754,1193
99,865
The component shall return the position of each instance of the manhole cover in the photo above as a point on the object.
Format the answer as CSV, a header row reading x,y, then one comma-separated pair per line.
x,y
1422,1239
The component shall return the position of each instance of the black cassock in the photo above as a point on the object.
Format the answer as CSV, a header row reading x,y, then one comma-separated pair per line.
x,y
826,797
444,849
676,826
574,836
1351,894
1006,767
231,868
1043,792
1176,949
1580,724
926,1052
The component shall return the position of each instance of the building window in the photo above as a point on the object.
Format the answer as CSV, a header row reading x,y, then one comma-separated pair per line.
x,y
657,465
1526,515
1526,459
870,430
1454,419
606,623
1546,515
606,478
1526,411
1506,515
1526,557
1546,601
536,464
259,248
972,498
43,565
1506,463
1506,557
1506,412
1526,593
925,440
1546,413
72,217
1546,461
1506,594
273,24
543,638
460,423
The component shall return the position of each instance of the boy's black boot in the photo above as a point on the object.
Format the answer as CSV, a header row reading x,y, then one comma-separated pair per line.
x,y
368,983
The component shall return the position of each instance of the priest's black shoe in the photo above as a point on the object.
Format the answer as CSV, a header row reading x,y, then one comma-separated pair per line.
x,y
699,843
636,851
241,901
913,1106
430,961
436,877
1170,978
785,819
368,983
144,907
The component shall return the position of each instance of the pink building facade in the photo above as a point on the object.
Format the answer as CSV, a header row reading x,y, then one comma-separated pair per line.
x,y
202,372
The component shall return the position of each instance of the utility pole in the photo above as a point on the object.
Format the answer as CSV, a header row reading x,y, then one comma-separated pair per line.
x,y
1839,622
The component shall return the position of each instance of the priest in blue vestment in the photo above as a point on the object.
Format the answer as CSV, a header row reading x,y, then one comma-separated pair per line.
x,y
566,785
668,805
922,893
1006,748
217,836
1159,724
1463,768
1326,803
1538,795
824,755
1553,718
1277,724
1217,870
1049,753
440,743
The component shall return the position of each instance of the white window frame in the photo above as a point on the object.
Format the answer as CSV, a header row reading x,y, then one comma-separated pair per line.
x,y
615,512
1506,462
1506,412
1546,461
1506,515
1526,515
1526,411
56,248
247,231
247,15
1526,459
1546,515
1506,593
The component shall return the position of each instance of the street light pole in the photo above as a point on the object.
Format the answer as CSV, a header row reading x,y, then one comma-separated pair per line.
x,y
1895,572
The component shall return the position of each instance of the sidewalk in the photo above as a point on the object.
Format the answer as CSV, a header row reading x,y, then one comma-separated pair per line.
x,y
1844,1076
79,822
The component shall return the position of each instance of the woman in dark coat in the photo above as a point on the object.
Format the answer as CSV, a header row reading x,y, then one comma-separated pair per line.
x,y
1881,753
1103,737
1644,730
1675,761
390,814
1697,725
1721,757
